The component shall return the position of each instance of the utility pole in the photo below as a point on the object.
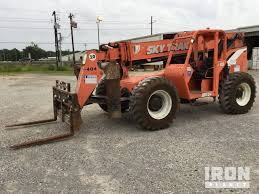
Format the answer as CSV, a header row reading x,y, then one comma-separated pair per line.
x,y
72,25
151,24
85,46
98,20
60,49
56,37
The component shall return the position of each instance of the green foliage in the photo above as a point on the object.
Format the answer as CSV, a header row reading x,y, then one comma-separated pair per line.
x,y
35,51
51,67
12,55
27,68
64,68
12,68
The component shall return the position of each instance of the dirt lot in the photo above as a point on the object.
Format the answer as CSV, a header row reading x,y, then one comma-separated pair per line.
x,y
114,156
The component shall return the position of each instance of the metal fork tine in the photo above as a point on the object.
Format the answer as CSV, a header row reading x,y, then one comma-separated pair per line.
x,y
48,139
42,141
31,123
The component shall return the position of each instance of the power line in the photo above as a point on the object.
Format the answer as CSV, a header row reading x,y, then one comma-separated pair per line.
x,y
25,21
28,10
81,22
24,28
77,13
169,22
31,18
84,19
39,28
50,43
93,22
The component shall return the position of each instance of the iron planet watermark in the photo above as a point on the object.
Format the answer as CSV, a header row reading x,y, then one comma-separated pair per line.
x,y
227,177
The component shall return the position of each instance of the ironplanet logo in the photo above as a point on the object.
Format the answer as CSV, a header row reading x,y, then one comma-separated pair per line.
x,y
227,177
160,48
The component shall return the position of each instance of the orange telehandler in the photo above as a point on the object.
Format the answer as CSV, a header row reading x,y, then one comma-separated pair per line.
x,y
198,64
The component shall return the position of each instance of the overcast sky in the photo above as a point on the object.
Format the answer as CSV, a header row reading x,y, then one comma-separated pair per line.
x,y
25,21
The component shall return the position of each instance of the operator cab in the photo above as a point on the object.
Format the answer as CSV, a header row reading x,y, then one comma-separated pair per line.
x,y
199,62
205,67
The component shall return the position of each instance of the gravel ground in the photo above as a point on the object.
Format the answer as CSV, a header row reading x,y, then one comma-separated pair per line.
x,y
114,156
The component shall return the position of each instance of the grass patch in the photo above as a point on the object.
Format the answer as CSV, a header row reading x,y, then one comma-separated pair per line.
x,y
7,69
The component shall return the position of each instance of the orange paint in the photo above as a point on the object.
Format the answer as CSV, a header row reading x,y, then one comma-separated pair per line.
x,y
193,44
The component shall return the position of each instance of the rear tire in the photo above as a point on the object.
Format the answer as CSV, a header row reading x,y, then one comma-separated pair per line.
x,y
154,103
237,93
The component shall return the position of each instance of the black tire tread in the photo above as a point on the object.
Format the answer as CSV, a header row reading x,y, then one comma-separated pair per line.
x,y
101,90
136,103
227,90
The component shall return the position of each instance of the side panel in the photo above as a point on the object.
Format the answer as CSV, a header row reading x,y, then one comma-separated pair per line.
x,y
238,60
180,76
89,77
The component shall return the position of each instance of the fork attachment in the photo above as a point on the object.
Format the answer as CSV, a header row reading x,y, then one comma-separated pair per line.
x,y
65,106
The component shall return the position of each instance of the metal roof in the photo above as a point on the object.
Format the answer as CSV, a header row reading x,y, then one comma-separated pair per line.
x,y
248,30
149,37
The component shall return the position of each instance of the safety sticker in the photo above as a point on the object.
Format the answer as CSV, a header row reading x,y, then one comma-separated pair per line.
x,y
92,57
91,79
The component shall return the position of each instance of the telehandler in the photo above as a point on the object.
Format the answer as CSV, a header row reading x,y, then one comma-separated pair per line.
x,y
198,64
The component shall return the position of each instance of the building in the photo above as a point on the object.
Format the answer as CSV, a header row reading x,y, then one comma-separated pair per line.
x,y
154,37
67,58
78,56
252,42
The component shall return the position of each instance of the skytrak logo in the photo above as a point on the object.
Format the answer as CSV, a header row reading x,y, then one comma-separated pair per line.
x,y
155,49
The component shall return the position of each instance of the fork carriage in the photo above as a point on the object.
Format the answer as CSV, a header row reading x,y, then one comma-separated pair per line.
x,y
66,107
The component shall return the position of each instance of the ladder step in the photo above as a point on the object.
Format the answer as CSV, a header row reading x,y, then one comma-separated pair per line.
x,y
196,91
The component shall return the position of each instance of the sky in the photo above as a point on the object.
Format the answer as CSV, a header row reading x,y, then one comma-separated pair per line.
x,y
26,21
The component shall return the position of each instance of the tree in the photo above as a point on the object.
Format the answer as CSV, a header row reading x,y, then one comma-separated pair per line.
x,y
35,52
14,54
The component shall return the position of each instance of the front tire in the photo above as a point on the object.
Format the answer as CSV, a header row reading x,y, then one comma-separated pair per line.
x,y
101,90
154,103
237,93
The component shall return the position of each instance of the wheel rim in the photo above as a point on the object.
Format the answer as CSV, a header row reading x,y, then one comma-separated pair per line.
x,y
159,104
243,94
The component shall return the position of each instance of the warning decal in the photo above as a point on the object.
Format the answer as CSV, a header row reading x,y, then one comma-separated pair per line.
x,y
91,79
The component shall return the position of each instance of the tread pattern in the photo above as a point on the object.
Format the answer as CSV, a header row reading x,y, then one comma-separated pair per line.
x,y
101,90
227,91
140,96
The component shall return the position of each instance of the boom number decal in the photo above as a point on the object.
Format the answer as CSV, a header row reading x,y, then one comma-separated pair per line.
x,y
92,57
